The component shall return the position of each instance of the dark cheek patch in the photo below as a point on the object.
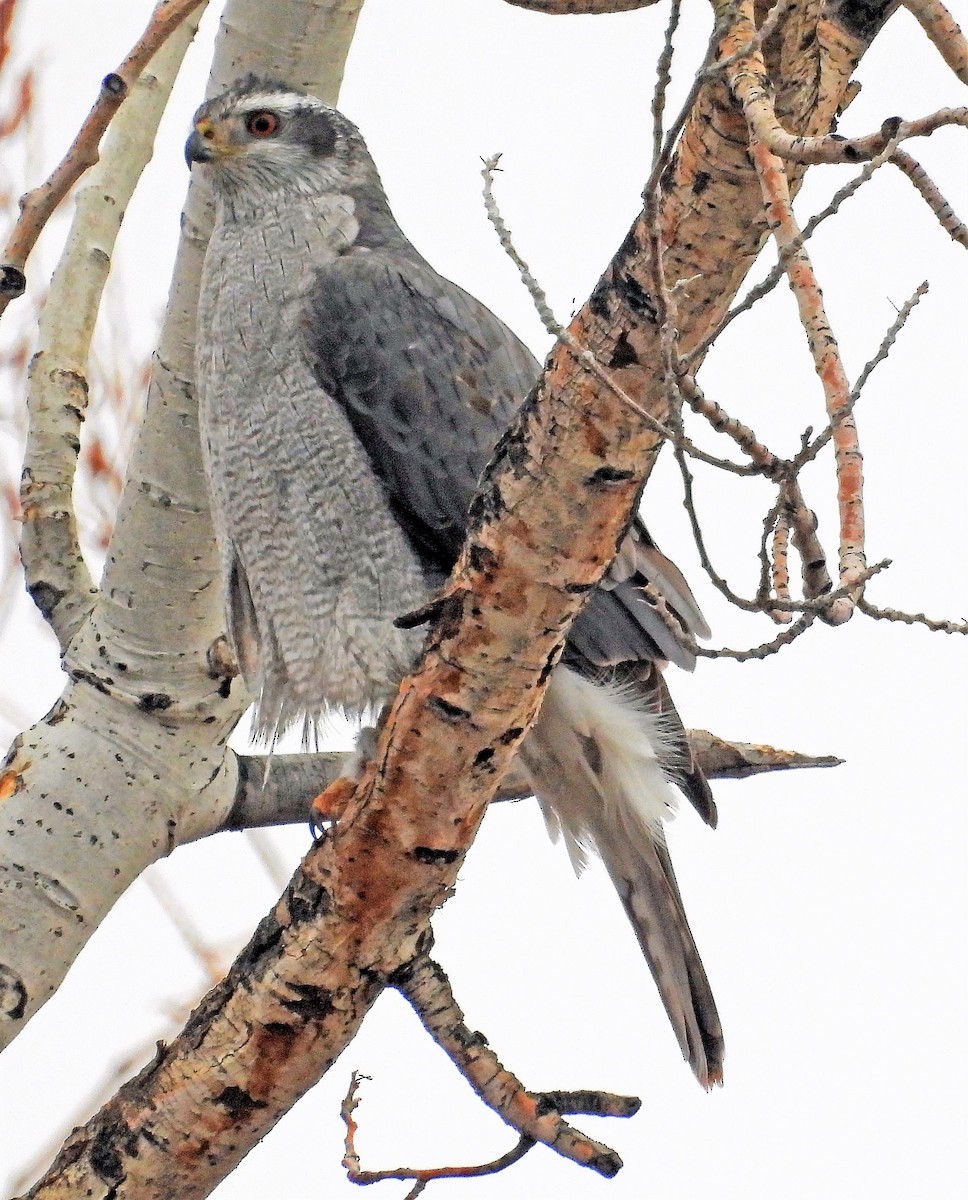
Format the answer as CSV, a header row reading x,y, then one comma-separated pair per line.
x,y
317,132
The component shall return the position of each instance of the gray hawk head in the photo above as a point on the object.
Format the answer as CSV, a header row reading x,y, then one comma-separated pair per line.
x,y
262,137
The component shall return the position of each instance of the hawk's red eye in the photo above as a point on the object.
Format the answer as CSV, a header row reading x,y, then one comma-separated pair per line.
x,y
262,124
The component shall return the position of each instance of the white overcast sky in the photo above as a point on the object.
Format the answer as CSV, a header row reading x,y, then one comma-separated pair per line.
x,y
829,906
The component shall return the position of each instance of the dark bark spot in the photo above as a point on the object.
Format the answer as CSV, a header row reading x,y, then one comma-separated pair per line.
x,y
238,1103
154,702
90,678
13,282
307,900
46,596
481,558
450,712
549,666
607,475
224,688
512,735
309,1003
56,714
114,85
483,756
13,994
700,183
105,1157
431,857
598,302
862,18
636,297
624,354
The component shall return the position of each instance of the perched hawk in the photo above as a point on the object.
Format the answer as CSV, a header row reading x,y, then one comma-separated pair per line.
x,y
350,398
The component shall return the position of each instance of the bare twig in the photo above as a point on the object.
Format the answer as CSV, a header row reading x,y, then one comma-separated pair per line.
x,y
585,357
932,195
548,318
421,1176
663,78
893,614
765,649
765,462
38,205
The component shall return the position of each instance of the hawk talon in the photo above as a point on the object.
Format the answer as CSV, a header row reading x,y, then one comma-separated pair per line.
x,y
328,807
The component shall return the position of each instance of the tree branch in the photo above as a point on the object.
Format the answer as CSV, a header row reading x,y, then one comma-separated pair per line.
x,y
57,578
943,30
38,205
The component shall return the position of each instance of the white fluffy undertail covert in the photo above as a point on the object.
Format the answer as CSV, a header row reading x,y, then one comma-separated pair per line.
x,y
602,766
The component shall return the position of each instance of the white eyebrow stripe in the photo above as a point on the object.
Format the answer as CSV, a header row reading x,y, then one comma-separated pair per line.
x,y
286,102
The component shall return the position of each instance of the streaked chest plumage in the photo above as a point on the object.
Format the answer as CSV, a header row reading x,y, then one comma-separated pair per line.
x,y
315,564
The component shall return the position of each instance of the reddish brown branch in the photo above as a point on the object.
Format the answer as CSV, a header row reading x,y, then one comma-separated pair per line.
x,y
535,1115
780,570
827,361
38,205
421,1176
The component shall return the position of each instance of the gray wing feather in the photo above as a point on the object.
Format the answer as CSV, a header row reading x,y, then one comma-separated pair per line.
x,y
429,379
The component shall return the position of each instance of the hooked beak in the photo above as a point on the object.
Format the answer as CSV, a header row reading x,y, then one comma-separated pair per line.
x,y
197,149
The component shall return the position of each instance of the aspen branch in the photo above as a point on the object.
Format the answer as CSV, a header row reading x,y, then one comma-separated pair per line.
x,y
812,449
944,32
780,572
38,205
277,789
931,194
826,357
738,760
535,1116
57,577
749,81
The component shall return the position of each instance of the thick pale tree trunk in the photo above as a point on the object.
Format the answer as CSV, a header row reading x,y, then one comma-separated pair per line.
x,y
132,761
